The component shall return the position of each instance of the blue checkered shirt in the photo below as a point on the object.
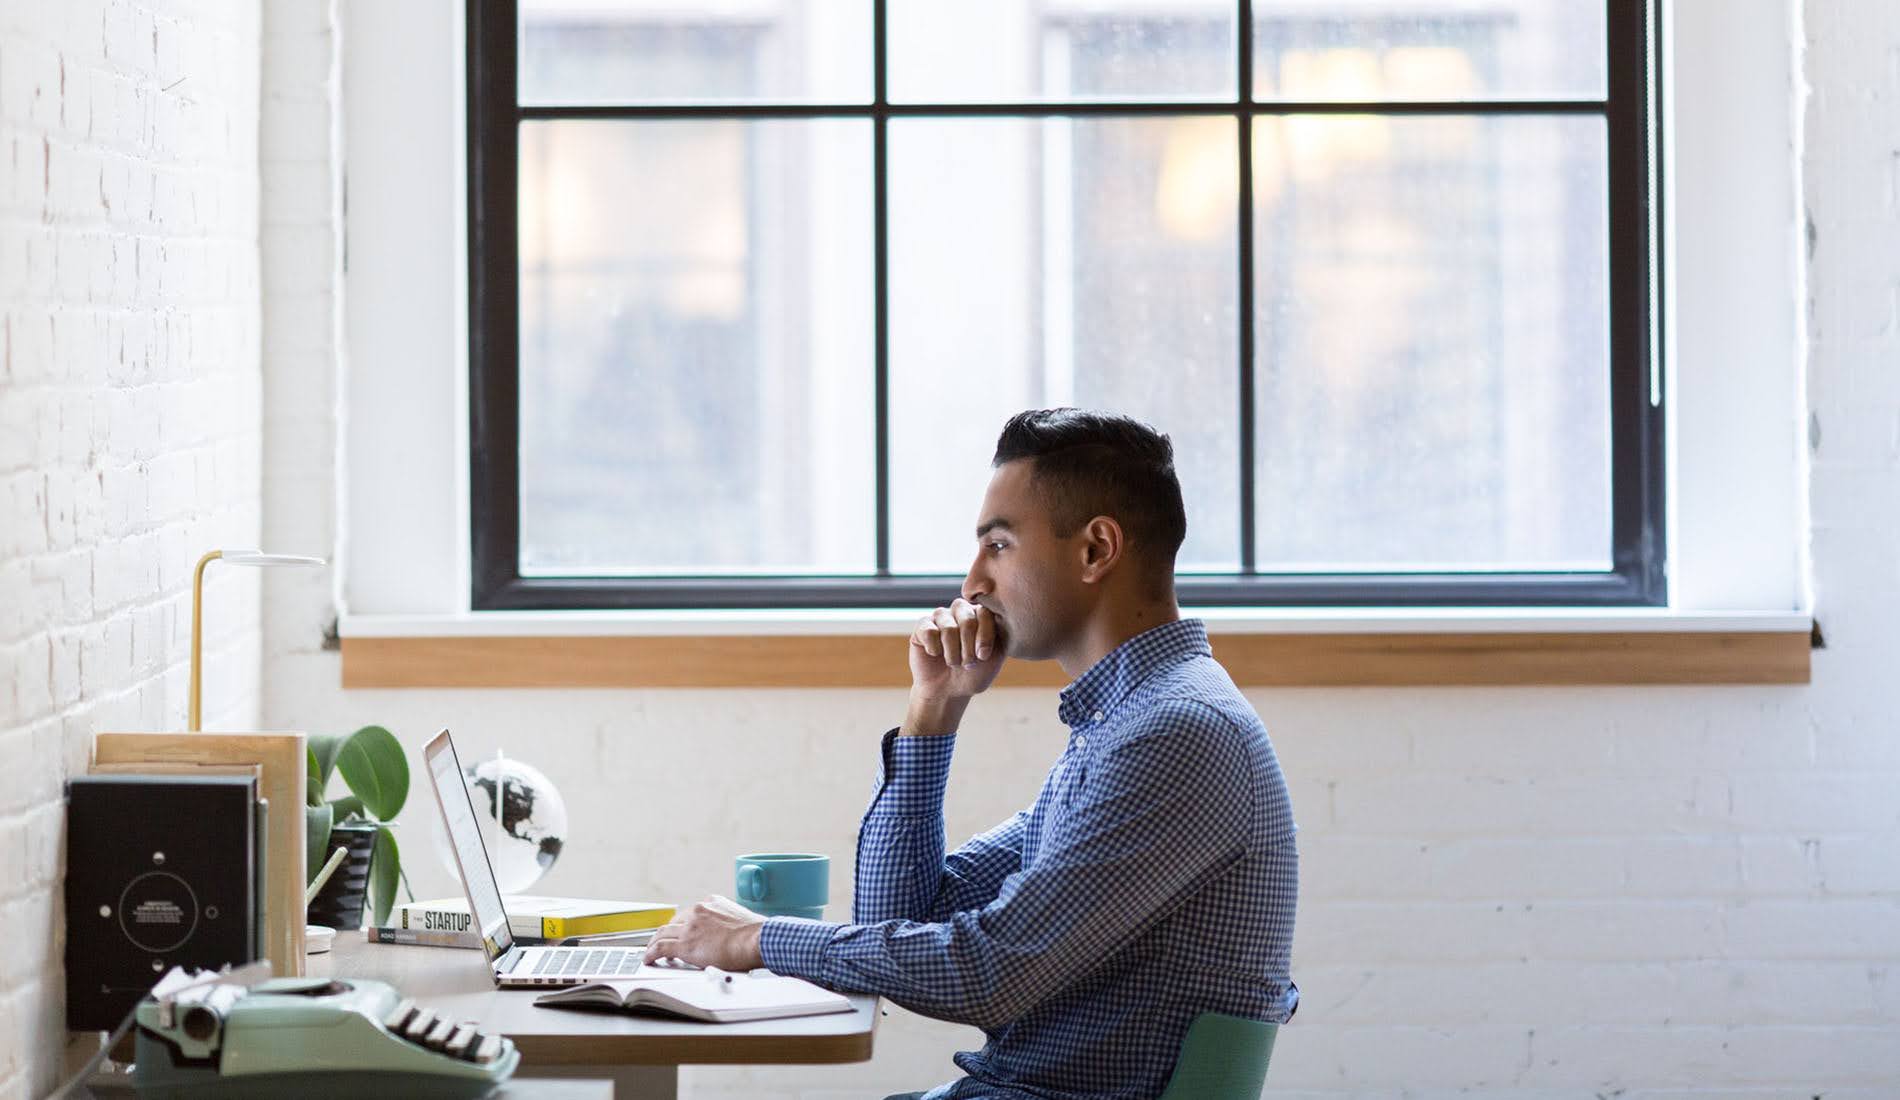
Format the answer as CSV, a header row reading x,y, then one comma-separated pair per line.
x,y
1154,879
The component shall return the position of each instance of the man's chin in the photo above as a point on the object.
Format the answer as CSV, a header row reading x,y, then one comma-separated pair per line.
x,y
1018,648
1012,643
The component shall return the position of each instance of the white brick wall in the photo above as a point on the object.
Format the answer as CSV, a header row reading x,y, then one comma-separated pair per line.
x,y
129,420
301,239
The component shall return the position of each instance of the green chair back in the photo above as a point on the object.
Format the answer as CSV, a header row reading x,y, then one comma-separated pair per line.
x,y
1222,1058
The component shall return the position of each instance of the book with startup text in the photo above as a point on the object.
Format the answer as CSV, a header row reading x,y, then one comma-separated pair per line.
x,y
538,917
714,996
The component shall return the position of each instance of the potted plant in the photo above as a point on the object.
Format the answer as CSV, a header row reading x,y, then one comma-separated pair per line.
x,y
376,772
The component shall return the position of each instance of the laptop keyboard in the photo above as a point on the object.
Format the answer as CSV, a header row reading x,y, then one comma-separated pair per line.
x,y
605,962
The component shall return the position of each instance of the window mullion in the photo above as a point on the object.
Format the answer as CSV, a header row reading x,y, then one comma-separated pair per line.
x,y
880,285
1243,36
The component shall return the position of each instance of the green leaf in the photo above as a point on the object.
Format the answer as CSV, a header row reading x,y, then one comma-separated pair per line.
x,y
373,764
385,863
324,748
312,782
316,826
348,808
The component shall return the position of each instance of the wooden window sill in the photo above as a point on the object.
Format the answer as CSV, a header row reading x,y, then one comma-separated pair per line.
x,y
866,650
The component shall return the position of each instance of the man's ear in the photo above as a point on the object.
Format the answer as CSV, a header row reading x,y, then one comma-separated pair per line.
x,y
1102,548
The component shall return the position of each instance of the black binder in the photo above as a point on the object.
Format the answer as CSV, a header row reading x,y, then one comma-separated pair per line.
x,y
161,871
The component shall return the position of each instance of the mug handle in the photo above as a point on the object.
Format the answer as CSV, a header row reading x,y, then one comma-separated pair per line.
x,y
751,882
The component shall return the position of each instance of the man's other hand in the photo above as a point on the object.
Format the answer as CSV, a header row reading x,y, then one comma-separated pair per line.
x,y
716,932
955,653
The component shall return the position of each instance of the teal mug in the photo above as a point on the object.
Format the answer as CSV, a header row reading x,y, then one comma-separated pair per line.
x,y
784,884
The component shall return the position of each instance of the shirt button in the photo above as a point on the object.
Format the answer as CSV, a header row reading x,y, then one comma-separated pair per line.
x,y
1096,717
1081,742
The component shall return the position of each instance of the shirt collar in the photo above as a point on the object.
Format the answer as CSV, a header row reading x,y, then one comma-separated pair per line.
x,y
1109,680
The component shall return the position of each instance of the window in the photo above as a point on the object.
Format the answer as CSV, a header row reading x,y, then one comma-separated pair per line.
x,y
754,284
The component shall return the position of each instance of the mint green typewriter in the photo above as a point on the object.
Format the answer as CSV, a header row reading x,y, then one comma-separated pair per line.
x,y
315,1038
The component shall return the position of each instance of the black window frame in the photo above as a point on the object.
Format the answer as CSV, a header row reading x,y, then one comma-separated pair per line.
x,y
1638,573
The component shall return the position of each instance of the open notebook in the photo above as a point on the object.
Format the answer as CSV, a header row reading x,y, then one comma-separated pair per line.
x,y
715,996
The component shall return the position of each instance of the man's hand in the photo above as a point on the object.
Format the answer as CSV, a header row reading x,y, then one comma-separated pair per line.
x,y
716,932
955,653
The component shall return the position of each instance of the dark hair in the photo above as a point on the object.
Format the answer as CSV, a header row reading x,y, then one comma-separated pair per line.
x,y
1087,464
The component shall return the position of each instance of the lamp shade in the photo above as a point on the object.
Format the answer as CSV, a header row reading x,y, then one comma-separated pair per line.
x,y
258,557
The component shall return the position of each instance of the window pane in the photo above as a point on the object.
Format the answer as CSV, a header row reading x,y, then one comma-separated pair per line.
x,y
696,347
648,51
1008,50
1431,49
1035,263
1432,377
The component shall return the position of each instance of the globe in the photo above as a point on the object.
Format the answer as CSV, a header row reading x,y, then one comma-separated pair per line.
x,y
524,822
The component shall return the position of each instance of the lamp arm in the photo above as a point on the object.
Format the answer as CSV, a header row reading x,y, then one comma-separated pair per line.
x,y
197,632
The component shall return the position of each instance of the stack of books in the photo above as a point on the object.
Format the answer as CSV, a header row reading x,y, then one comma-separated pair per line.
x,y
445,922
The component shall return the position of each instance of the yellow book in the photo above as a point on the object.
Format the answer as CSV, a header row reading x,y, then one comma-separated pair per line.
x,y
540,917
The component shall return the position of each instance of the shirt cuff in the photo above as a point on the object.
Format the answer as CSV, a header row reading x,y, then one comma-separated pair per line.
x,y
914,774
794,946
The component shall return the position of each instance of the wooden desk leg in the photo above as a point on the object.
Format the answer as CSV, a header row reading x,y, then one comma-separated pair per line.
x,y
630,1082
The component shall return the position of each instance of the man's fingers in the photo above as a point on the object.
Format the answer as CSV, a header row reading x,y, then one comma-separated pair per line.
x,y
961,634
967,617
950,635
667,936
985,635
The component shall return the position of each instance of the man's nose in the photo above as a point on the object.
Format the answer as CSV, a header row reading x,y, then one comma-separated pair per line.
x,y
976,582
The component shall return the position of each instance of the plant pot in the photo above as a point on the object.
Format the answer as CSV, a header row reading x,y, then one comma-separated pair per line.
x,y
340,903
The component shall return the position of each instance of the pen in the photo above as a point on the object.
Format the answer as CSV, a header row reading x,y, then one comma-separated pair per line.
x,y
329,868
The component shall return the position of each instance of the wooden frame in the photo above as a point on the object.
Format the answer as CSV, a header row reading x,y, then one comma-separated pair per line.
x,y
282,757
1253,660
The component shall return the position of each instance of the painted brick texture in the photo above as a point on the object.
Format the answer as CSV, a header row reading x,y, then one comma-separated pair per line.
x,y
129,420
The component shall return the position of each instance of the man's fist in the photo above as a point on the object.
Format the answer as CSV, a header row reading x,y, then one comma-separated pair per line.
x,y
956,652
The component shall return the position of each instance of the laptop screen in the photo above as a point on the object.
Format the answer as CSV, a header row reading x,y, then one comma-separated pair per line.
x,y
465,833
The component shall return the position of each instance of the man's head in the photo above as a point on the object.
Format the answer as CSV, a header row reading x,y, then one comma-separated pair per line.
x,y
1084,509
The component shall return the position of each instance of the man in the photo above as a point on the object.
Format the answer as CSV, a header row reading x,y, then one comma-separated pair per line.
x,y
1153,879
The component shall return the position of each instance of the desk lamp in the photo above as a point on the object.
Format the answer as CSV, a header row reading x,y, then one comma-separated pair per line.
x,y
229,557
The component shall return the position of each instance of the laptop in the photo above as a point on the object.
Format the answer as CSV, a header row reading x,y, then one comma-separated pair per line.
x,y
516,964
